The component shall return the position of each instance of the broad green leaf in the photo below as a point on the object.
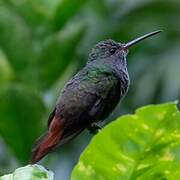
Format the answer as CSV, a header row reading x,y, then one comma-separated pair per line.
x,y
30,172
145,145
21,114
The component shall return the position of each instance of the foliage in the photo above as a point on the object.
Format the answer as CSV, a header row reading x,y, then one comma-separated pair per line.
x,y
43,43
29,172
19,115
145,145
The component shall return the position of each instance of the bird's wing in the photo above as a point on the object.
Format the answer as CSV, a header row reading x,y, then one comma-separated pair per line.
x,y
91,102
85,91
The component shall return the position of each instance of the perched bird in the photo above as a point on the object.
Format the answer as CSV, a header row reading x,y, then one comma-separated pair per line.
x,y
90,96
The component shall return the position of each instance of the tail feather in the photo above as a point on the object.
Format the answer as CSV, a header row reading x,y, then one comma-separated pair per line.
x,y
47,142
57,135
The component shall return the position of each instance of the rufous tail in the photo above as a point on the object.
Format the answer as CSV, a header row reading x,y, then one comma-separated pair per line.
x,y
49,141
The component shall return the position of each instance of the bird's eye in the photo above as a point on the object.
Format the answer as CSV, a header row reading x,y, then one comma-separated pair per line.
x,y
112,50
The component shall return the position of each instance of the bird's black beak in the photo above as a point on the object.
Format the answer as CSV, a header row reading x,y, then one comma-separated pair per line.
x,y
137,40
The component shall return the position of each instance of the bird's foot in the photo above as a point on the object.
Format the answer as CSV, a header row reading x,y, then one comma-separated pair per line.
x,y
94,128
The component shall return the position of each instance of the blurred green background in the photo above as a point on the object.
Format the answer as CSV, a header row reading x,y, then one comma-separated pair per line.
x,y
44,42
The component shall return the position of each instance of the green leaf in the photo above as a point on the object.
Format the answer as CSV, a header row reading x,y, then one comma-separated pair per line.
x,y
21,114
145,145
30,172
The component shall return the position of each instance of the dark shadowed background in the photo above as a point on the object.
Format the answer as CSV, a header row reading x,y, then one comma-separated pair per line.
x,y
43,43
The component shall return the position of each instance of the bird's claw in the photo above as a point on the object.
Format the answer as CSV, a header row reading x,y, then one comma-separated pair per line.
x,y
94,128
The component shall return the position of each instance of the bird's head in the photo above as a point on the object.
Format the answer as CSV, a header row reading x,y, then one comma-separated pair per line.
x,y
106,49
112,50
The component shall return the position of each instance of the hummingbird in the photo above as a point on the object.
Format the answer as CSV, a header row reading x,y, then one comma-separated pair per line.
x,y
89,97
